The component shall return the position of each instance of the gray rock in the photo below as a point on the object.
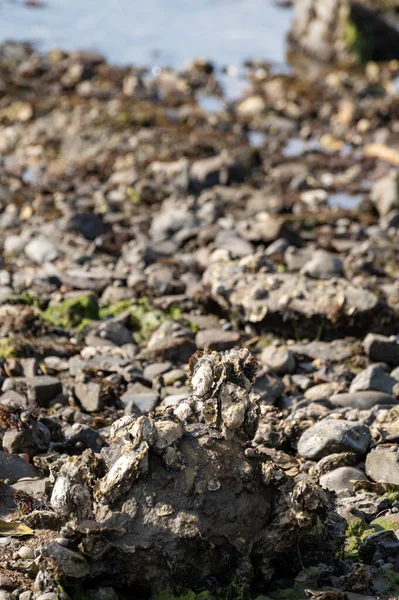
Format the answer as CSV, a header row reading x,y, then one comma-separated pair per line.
x,y
381,349
73,564
153,370
168,222
279,359
30,440
43,389
296,258
79,437
333,436
89,396
362,400
335,351
47,596
26,596
144,401
385,193
40,250
322,391
373,378
231,241
382,464
277,247
323,265
13,468
217,339
341,479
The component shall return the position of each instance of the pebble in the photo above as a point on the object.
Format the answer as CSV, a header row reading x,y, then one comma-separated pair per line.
x,y
341,479
362,400
381,349
279,359
217,339
373,378
40,250
333,436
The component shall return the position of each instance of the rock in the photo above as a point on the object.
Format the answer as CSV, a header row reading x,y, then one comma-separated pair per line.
x,y
381,349
47,596
373,378
40,250
362,400
144,401
34,486
385,193
153,370
13,468
251,106
321,30
89,396
90,225
322,391
382,545
6,583
26,596
279,359
217,339
72,563
29,440
334,351
323,265
289,301
43,389
26,552
231,241
80,437
331,436
382,464
341,479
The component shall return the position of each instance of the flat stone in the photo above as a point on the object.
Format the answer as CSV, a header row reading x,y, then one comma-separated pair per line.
x,y
217,339
42,389
153,370
373,378
381,349
89,396
145,401
331,436
341,479
279,359
322,391
362,400
382,464
13,468
335,351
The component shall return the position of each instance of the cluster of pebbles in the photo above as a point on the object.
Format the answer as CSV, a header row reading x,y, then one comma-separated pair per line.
x,y
139,231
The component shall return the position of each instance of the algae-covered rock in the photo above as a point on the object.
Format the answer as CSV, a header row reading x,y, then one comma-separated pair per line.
x,y
72,312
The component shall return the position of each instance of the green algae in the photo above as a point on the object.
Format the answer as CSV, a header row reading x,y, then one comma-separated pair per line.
x,y
72,313
10,348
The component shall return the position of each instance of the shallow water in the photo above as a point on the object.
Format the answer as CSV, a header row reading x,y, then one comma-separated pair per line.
x,y
154,32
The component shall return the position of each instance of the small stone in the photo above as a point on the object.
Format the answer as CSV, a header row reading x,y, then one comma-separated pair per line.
x,y
341,479
362,400
40,250
279,359
168,433
90,225
13,468
323,266
382,464
217,339
26,552
381,349
26,596
333,436
47,596
43,389
373,378
145,401
6,583
89,396
322,391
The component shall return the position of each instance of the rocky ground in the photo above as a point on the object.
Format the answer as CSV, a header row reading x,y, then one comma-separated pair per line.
x,y
139,230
